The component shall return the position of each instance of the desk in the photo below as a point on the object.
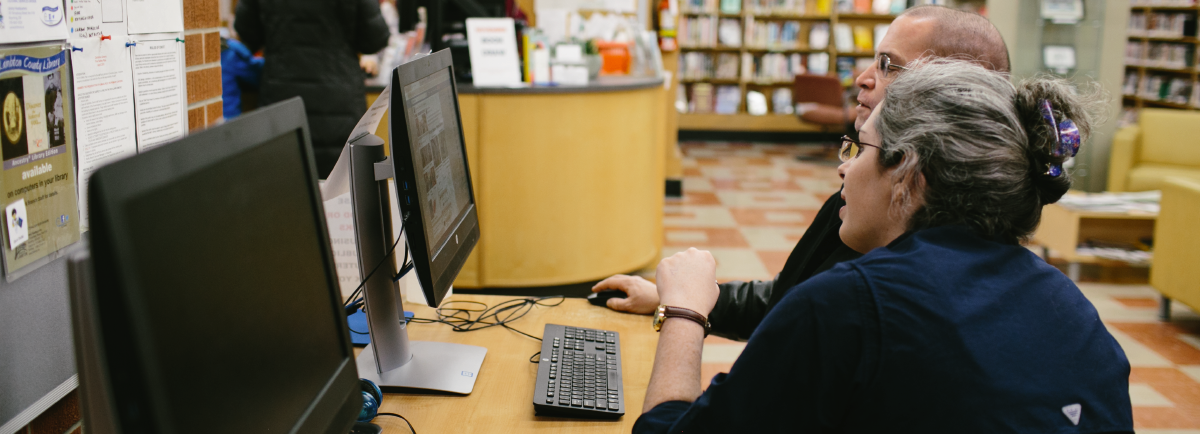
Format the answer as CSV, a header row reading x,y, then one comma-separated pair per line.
x,y
502,401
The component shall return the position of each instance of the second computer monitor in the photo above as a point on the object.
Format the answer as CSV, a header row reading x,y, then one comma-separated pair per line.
x,y
432,176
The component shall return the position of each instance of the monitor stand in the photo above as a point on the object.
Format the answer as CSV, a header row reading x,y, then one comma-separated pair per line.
x,y
391,360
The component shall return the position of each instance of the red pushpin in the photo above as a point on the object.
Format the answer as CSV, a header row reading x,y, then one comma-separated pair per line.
x,y
105,37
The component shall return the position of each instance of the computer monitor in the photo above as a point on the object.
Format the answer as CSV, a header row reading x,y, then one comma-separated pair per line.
x,y
432,176
213,301
437,202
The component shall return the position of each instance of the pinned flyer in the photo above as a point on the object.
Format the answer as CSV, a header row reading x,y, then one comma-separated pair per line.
x,y
103,108
37,179
18,224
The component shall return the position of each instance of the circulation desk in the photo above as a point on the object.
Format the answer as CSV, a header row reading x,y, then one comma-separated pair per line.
x,y
568,180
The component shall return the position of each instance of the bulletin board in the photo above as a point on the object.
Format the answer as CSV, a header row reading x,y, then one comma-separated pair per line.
x,y
83,83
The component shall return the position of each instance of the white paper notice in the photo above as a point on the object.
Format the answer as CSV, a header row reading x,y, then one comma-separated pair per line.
x,y
114,10
18,223
158,93
155,16
84,18
339,215
32,20
103,109
492,43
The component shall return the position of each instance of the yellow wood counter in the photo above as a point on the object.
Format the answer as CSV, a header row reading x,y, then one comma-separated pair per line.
x,y
568,182
502,401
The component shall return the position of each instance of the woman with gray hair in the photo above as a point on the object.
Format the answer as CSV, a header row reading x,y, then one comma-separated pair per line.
x,y
946,324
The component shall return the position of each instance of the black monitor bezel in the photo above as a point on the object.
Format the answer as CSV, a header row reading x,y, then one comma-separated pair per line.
x,y
436,275
128,349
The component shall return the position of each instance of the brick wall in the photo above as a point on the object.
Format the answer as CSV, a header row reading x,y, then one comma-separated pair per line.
x,y
203,57
201,18
61,418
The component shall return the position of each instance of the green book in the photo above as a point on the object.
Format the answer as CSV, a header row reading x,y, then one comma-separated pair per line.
x,y
731,6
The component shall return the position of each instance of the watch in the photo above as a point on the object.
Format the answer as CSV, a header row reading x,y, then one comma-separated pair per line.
x,y
663,312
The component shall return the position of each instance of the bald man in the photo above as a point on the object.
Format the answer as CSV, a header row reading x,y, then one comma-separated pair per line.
x,y
918,32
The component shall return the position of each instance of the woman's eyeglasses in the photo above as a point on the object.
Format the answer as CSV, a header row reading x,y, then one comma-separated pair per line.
x,y
851,148
886,66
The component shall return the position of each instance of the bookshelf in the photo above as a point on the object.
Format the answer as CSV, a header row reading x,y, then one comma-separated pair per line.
x,y
1160,57
729,48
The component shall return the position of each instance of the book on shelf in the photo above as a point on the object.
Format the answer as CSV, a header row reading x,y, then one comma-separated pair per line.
x,y
818,63
756,103
898,6
702,98
697,32
732,7
700,6
880,31
1130,85
845,6
781,101
845,71
863,40
818,37
727,66
729,32
728,99
862,6
776,68
881,7
843,38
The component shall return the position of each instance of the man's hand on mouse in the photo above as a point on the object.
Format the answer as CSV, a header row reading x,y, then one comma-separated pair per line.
x,y
642,295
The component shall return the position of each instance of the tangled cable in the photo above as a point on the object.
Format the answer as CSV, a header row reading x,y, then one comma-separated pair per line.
x,y
459,317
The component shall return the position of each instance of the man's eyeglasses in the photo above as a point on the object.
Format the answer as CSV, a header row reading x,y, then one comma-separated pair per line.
x,y
886,66
851,148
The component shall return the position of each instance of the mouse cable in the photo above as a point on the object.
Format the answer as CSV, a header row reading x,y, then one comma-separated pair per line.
x,y
534,357
410,427
460,319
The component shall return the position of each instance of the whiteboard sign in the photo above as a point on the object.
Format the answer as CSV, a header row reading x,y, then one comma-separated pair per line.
x,y
493,47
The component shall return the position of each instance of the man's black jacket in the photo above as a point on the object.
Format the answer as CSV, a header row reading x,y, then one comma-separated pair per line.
x,y
742,305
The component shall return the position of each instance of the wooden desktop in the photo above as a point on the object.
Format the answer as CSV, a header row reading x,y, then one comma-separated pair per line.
x,y
502,401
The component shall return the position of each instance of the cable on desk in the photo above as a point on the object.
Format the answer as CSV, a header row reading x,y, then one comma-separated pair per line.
x,y
410,427
533,358
457,314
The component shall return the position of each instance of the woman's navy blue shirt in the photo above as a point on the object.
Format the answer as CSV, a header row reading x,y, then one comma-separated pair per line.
x,y
940,331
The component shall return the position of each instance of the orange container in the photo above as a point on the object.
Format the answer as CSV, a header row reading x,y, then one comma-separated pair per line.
x,y
616,58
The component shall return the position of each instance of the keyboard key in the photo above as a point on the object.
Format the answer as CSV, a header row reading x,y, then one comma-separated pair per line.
x,y
589,403
613,406
576,402
613,380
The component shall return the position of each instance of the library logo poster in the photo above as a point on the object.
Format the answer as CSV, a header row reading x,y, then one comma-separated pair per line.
x,y
37,180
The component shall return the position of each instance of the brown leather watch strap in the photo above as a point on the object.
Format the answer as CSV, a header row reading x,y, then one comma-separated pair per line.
x,y
680,312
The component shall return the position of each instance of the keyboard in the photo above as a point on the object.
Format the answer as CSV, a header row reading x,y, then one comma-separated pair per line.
x,y
579,374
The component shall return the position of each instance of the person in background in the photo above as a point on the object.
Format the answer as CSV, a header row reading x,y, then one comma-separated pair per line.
x,y
918,32
240,70
946,324
311,50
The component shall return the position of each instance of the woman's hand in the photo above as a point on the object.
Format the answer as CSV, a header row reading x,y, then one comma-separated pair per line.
x,y
688,279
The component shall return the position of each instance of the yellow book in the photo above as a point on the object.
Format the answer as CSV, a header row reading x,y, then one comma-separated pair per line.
x,y
823,7
863,41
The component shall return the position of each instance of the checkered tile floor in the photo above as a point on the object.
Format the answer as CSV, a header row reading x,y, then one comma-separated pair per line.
x,y
749,203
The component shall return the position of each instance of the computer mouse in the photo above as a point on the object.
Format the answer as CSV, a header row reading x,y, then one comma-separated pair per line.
x,y
601,298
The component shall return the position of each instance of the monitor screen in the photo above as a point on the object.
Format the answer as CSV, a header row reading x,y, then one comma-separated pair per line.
x,y
432,173
222,255
442,183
